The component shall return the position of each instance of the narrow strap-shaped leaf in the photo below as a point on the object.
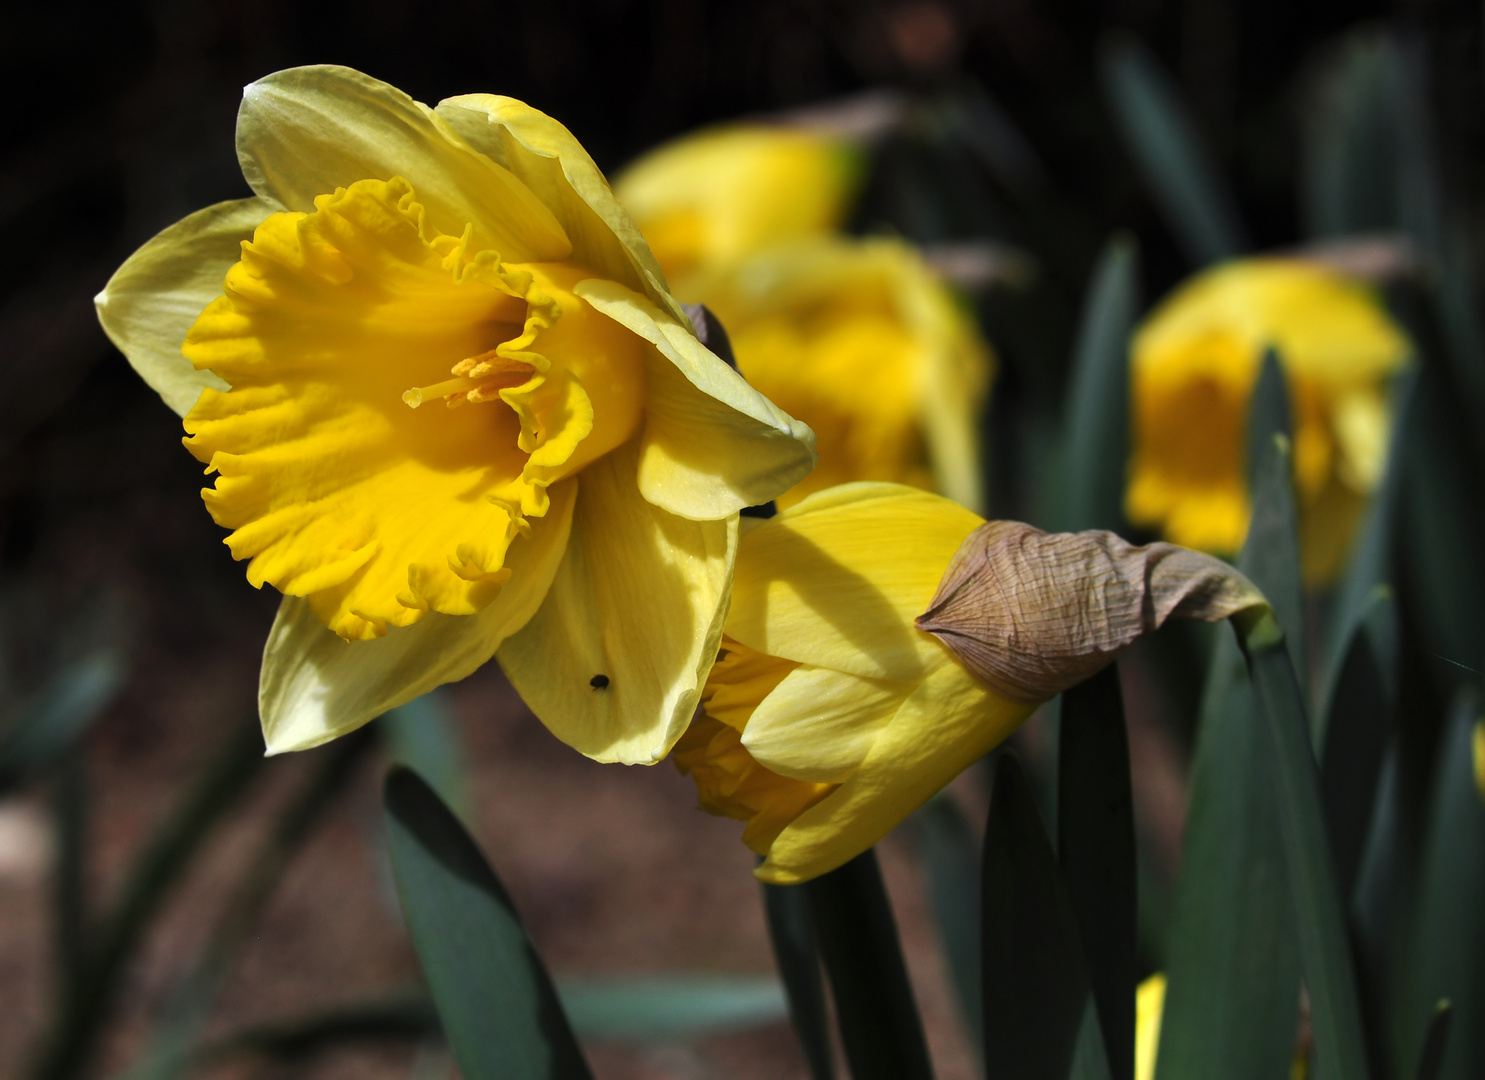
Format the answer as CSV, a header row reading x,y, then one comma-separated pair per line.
x,y
878,1017
1352,138
424,736
670,1008
1036,989
1431,1060
1096,421
1370,563
1232,998
1095,843
1271,556
1231,1007
1356,739
796,950
1196,204
497,1004
1445,954
1319,917
951,858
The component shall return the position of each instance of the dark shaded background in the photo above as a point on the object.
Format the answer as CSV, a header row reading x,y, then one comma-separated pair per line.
x,y
119,120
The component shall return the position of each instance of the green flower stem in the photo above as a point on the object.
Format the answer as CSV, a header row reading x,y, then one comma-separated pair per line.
x,y
796,949
879,1023
1329,972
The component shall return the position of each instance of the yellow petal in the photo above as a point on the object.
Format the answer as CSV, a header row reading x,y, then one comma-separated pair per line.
x,y
712,444
949,721
315,687
639,601
818,724
306,131
554,165
152,300
837,580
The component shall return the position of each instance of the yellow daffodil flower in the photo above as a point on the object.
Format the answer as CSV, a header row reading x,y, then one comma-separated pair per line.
x,y
709,199
881,638
452,409
863,342
1195,363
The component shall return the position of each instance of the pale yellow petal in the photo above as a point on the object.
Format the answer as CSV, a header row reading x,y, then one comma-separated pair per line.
x,y
712,444
315,686
639,601
152,300
818,724
554,165
837,580
948,722
307,131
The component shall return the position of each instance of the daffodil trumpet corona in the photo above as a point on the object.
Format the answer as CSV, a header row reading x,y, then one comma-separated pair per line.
x,y
1194,364
882,638
453,412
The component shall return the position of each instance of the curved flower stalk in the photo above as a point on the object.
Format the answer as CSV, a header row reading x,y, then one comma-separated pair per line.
x,y
452,410
862,341
882,638
709,199
1195,363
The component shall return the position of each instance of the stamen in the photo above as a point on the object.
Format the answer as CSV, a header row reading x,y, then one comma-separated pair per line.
x,y
472,381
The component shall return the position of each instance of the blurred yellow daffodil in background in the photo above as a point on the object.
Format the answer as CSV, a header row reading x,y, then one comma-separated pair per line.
x,y
711,198
882,638
860,339
1195,362
452,409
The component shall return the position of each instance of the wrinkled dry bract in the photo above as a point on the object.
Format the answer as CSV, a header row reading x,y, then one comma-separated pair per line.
x,y
1033,613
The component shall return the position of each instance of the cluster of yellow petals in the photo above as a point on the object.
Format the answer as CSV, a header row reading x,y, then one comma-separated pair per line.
x,y
1195,362
335,488
830,716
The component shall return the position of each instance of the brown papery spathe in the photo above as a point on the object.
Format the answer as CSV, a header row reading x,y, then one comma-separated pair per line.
x,y
1033,613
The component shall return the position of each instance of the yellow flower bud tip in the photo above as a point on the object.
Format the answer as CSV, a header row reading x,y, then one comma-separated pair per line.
x,y
1194,364
569,517
1032,613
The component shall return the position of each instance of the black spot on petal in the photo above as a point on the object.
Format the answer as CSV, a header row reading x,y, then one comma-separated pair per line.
x,y
599,682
